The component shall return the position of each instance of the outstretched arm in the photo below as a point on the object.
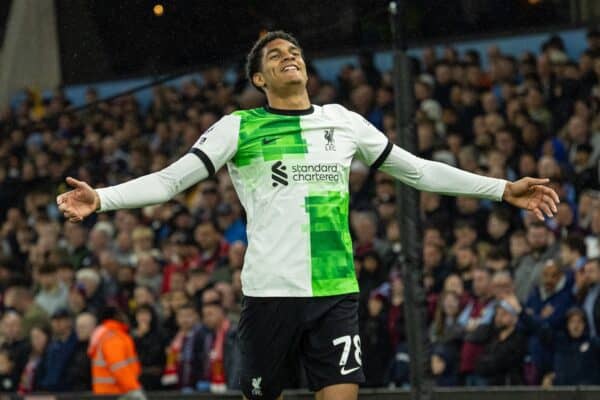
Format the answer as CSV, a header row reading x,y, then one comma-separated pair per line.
x,y
375,149
149,189
431,176
212,150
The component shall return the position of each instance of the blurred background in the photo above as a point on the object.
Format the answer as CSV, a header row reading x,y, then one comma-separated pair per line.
x,y
106,91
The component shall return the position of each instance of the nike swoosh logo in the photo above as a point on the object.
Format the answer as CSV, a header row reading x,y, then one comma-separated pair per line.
x,y
269,140
348,371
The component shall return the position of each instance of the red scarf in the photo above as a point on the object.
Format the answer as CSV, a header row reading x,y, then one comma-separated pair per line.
x,y
169,376
28,375
217,368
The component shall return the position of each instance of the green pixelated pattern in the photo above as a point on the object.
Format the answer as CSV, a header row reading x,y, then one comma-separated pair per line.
x,y
332,264
268,137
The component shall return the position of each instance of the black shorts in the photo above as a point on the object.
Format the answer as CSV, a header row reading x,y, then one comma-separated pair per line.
x,y
277,332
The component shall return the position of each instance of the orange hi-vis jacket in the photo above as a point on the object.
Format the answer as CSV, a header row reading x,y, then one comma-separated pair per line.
x,y
115,365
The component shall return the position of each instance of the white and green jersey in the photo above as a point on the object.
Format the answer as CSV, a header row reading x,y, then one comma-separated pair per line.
x,y
290,170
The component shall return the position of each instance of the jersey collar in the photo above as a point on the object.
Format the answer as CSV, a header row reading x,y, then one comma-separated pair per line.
x,y
272,110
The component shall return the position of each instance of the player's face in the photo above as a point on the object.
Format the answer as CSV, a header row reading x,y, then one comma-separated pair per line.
x,y
282,65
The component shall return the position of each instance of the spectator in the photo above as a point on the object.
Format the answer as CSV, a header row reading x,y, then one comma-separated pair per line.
x,y
572,253
528,270
90,282
53,294
502,285
39,337
176,300
547,303
375,341
589,295
21,300
235,261
78,253
230,224
395,313
564,223
370,275
364,226
59,353
518,247
228,300
78,374
478,313
465,234
471,221
592,241
500,363
148,271
577,357
443,83
143,239
224,362
15,346
465,262
434,266
115,366
144,296
186,354
497,260
445,329
498,226
575,360
585,168
149,337
213,248
77,302
453,283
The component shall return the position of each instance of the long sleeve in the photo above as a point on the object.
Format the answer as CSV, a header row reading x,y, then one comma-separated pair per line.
x,y
212,150
154,188
376,150
437,177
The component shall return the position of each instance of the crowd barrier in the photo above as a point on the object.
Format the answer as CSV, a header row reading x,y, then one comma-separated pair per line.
x,y
488,393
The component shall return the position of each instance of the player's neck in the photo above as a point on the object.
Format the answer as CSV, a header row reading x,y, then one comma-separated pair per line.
x,y
289,101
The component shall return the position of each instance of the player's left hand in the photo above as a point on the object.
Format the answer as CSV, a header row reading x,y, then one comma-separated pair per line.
x,y
531,194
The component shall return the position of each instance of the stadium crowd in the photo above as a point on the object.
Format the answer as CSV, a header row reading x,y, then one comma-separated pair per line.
x,y
510,300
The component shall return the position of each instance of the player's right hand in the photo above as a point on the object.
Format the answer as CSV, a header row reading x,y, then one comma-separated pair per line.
x,y
78,203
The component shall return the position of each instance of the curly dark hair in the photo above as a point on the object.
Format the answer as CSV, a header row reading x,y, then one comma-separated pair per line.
x,y
254,58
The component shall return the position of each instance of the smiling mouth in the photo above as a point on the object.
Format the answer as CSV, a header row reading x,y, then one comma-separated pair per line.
x,y
290,68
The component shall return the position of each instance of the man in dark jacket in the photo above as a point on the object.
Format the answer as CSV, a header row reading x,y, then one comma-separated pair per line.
x,y
502,359
548,303
576,358
589,295
78,374
58,353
